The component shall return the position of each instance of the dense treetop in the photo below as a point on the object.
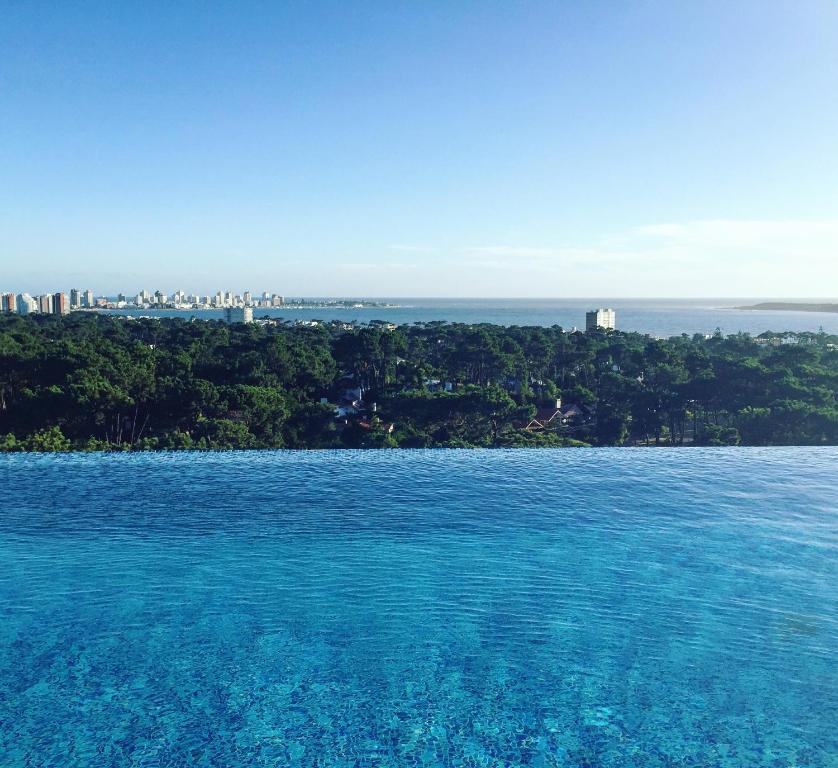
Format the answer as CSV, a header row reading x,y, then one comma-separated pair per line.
x,y
94,382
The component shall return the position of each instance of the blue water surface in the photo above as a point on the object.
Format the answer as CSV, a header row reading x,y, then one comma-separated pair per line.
x,y
658,317
592,607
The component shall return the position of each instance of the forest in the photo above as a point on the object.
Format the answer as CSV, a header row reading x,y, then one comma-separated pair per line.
x,y
93,382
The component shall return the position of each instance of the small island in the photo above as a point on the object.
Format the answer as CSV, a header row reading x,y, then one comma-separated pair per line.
x,y
792,307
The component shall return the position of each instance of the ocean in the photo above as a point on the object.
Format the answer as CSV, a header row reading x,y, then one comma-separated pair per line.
x,y
658,317
579,607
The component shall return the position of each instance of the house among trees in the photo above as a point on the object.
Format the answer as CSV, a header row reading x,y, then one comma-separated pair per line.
x,y
544,416
558,415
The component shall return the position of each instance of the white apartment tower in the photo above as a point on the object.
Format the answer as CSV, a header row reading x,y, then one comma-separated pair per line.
x,y
600,318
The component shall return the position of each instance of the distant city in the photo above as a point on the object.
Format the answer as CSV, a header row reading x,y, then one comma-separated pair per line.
x,y
61,303
236,307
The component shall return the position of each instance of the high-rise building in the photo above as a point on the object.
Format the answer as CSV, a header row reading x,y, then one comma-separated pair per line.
x,y
238,315
277,301
248,298
9,302
60,304
600,318
26,304
45,303
87,299
75,298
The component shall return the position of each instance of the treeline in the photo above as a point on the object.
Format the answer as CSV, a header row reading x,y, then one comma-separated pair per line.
x,y
89,382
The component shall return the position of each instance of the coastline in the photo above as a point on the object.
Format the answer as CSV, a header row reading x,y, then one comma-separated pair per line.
x,y
782,306
287,305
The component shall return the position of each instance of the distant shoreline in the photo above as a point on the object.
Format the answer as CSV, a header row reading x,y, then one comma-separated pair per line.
x,y
792,306
288,304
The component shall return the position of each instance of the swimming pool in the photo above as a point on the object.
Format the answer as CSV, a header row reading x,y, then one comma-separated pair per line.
x,y
591,607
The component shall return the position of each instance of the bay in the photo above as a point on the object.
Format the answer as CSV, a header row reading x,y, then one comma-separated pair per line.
x,y
658,317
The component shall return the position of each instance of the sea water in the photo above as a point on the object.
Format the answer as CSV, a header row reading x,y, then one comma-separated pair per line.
x,y
658,317
592,607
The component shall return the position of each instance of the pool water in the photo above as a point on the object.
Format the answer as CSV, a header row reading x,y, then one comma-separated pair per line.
x,y
592,607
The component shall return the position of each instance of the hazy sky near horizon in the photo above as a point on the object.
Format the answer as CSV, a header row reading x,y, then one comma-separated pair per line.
x,y
421,149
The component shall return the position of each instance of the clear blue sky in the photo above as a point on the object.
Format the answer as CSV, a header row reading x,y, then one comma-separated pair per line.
x,y
434,148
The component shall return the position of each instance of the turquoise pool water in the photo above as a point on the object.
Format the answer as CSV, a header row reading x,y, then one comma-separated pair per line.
x,y
601,607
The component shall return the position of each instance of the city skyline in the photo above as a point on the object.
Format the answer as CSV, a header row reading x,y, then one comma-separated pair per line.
x,y
258,296
564,150
62,302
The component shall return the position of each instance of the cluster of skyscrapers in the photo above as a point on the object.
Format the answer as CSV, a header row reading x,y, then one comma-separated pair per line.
x,y
61,304
47,303
181,300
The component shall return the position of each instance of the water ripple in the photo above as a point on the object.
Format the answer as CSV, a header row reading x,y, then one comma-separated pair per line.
x,y
431,608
